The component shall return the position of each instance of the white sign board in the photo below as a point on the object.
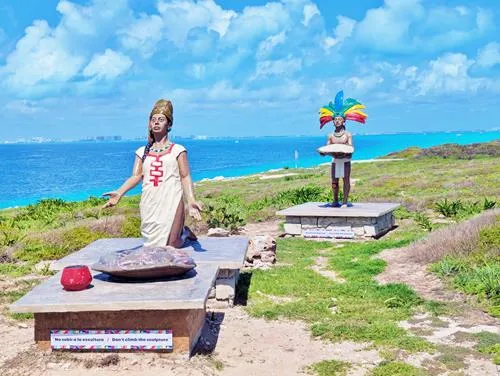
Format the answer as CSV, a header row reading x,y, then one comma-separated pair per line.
x,y
111,339
335,232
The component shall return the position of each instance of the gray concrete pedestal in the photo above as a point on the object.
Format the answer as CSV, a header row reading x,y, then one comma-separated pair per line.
x,y
321,220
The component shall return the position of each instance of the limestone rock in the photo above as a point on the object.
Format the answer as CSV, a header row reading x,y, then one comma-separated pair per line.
x,y
218,232
261,251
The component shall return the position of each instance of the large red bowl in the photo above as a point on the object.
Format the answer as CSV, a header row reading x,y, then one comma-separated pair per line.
x,y
76,277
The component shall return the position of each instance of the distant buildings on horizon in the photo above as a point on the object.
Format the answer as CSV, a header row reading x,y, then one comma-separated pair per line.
x,y
39,140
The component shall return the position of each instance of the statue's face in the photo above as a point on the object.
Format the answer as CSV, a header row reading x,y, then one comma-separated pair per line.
x,y
158,123
338,121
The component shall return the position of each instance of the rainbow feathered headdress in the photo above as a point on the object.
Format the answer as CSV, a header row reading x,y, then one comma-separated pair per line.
x,y
350,109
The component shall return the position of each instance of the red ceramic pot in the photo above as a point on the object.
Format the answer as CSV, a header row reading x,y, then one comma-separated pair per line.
x,y
76,277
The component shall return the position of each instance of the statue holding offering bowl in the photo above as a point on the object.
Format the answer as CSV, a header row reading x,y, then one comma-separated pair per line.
x,y
339,144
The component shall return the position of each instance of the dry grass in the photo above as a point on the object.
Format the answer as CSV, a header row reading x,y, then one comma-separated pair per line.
x,y
456,240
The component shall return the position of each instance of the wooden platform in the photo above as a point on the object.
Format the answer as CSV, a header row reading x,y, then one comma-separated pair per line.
x,y
176,304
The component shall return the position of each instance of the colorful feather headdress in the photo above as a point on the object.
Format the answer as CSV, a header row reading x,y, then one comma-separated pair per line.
x,y
350,109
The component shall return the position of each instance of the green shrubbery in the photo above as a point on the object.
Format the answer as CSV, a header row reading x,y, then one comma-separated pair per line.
x,y
225,212
458,210
131,227
478,273
78,237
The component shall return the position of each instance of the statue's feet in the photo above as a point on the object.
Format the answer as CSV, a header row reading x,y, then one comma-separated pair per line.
x,y
336,204
347,204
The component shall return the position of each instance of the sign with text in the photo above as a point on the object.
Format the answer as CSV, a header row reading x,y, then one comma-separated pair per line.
x,y
335,232
111,339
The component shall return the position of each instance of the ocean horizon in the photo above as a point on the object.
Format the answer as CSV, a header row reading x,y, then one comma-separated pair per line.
x,y
76,170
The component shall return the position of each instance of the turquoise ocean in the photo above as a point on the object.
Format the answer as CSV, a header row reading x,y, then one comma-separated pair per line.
x,y
74,171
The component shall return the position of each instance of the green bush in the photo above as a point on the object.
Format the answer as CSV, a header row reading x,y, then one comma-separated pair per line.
x,y
72,240
423,221
131,227
36,251
14,270
460,210
10,233
301,195
225,212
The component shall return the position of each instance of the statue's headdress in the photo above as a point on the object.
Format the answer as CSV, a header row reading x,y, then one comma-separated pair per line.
x,y
164,107
350,109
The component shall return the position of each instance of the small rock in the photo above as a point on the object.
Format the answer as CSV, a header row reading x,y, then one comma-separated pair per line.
x,y
134,362
218,232
22,325
43,266
261,251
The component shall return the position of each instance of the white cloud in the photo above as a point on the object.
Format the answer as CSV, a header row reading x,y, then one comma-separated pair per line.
x,y
447,74
281,67
181,16
224,92
143,34
267,45
40,57
310,10
197,71
405,26
463,11
108,65
343,30
484,20
46,58
387,27
256,23
489,55
24,107
360,85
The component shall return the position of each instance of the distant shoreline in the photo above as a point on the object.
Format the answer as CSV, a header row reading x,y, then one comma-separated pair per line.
x,y
212,138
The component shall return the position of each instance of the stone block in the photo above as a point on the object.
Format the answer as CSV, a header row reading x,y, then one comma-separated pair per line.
x,y
360,221
372,230
309,227
211,294
226,273
358,230
329,221
309,221
292,228
225,288
292,220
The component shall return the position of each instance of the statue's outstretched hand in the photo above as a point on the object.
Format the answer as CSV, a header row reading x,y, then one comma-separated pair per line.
x,y
195,209
114,198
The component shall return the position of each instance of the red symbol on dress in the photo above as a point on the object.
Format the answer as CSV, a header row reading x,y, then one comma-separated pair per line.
x,y
156,172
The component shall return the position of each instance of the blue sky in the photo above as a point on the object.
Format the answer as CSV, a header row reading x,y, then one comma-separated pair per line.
x,y
71,69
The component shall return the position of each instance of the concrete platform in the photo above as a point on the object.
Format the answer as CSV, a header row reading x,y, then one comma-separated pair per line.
x,y
321,209
321,220
226,253
176,304
106,294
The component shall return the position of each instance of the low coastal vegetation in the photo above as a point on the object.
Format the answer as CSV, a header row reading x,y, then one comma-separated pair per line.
x,y
448,222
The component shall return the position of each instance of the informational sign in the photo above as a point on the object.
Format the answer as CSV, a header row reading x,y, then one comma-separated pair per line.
x,y
334,232
111,339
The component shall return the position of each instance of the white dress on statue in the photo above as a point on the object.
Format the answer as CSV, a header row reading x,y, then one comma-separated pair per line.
x,y
161,194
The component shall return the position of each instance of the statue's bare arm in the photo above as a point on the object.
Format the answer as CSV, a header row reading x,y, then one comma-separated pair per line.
x,y
131,182
194,207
